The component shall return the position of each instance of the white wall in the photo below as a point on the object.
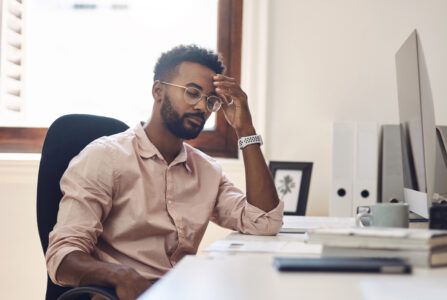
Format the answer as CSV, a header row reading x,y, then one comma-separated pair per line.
x,y
329,61
22,271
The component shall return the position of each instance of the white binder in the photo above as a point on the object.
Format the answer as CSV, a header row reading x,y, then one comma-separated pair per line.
x,y
342,170
366,165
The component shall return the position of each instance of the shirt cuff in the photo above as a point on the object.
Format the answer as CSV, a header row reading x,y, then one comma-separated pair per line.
x,y
54,262
263,223
254,213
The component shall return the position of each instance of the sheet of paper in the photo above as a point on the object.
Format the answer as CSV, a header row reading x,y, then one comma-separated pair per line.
x,y
301,248
303,223
292,247
245,246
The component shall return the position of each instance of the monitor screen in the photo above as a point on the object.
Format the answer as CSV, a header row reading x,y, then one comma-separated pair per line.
x,y
417,123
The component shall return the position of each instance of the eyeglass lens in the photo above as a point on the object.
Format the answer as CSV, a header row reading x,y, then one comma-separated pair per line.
x,y
193,96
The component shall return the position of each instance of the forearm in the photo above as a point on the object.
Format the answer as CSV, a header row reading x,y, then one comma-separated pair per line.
x,y
79,269
261,191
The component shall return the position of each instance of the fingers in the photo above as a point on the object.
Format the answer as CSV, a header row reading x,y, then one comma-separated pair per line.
x,y
223,77
225,84
228,101
225,95
221,81
228,88
225,91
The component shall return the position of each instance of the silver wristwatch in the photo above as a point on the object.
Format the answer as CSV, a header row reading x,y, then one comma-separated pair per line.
x,y
248,140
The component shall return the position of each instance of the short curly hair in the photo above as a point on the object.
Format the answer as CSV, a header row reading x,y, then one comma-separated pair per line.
x,y
168,61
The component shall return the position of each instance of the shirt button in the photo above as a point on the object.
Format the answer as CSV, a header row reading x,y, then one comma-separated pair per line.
x,y
169,201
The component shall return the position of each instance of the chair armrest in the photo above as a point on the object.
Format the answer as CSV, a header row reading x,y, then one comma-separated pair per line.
x,y
72,294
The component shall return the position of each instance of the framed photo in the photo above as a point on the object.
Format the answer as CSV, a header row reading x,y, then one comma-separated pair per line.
x,y
292,181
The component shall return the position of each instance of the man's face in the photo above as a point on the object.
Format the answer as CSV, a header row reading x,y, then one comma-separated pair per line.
x,y
181,126
184,120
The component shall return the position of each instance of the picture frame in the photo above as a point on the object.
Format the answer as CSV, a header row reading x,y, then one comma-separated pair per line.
x,y
292,182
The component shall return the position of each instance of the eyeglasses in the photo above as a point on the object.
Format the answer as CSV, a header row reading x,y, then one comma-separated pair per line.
x,y
193,96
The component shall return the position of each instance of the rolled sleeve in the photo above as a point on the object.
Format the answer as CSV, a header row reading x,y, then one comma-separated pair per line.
x,y
234,212
54,261
87,199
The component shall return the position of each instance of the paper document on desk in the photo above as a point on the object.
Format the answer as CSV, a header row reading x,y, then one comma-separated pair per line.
x,y
246,246
303,224
293,247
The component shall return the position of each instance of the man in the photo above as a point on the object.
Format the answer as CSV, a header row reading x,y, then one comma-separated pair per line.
x,y
136,202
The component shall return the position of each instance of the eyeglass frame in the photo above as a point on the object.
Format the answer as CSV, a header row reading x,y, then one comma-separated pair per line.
x,y
199,98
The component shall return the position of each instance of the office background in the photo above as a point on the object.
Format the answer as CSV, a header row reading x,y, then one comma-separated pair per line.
x,y
305,64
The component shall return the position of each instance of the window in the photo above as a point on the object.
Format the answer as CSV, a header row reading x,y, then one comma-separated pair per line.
x,y
11,58
86,52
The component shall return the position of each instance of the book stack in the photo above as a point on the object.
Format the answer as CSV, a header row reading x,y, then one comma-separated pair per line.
x,y
419,247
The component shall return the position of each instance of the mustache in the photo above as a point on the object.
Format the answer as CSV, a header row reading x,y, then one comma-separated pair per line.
x,y
197,115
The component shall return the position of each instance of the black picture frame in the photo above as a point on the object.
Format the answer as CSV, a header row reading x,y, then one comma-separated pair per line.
x,y
288,189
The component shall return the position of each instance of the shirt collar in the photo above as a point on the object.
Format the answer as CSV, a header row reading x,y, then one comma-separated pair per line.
x,y
148,150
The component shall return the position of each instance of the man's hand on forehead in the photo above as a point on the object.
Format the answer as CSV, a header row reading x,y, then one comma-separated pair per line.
x,y
235,104
228,88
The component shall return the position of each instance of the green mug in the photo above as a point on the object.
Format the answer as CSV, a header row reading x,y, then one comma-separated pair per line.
x,y
384,215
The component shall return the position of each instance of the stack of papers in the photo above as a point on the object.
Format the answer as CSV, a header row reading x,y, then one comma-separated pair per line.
x,y
379,238
295,224
419,247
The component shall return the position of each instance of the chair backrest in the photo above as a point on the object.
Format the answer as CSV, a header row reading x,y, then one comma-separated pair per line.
x,y
65,138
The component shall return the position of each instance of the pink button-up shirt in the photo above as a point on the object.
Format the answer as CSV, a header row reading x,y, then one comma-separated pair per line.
x,y
124,204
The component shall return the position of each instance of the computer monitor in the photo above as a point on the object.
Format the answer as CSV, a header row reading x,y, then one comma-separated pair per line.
x,y
417,121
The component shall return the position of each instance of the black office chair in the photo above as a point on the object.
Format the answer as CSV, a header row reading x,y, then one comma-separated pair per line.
x,y
65,138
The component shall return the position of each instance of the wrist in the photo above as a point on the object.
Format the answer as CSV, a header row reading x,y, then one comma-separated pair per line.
x,y
245,131
249,140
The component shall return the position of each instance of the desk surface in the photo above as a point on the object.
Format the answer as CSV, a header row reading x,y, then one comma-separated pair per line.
x,y
242,275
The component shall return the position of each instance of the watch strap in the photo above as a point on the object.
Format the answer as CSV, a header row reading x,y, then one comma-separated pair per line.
x,y
248,140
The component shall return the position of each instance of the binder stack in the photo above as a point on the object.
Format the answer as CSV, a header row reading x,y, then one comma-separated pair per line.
x,y
354,168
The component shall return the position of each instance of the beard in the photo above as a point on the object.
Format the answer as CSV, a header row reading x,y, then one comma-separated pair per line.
x,y
176,123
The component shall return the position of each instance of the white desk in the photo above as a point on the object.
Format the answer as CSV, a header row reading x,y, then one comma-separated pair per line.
x,y
243,275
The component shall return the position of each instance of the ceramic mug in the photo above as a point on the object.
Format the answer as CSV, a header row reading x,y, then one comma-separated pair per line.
x,y
384,215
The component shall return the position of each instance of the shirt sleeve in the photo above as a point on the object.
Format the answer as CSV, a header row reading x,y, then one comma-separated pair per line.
x,y
232,211
87,199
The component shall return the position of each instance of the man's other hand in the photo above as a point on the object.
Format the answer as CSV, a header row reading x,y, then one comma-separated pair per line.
x,y
129,284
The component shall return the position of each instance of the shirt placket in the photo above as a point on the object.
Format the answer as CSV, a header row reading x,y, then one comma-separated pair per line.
x,y
170,204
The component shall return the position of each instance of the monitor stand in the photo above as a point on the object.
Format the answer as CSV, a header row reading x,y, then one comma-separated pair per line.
x,y
438,210
440,187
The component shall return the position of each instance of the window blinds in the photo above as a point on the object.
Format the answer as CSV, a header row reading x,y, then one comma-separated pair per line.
x,y
11,55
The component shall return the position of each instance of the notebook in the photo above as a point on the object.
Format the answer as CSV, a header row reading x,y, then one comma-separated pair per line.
x,y
339,264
